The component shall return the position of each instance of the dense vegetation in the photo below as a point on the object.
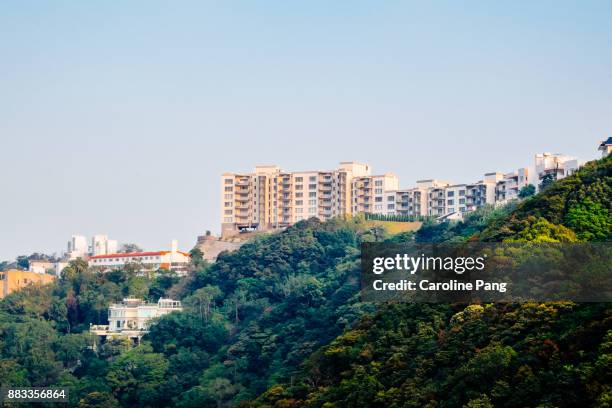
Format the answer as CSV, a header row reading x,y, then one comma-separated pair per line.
x,y
250,320
279,323
507,355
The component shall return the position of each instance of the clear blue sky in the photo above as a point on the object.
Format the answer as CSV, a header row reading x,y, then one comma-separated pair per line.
x,y
119,117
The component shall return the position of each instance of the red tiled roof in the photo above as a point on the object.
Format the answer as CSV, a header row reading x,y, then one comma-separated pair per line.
x,y
136,254
131,254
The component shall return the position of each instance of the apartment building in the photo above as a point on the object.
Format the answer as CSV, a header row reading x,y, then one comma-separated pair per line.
x,y
374,194
13,279
270,198
557,165
101,245
77,247
411,202
132,317
436,196
510,185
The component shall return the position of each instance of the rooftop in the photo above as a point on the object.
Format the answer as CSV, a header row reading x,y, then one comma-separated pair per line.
x,y
136,254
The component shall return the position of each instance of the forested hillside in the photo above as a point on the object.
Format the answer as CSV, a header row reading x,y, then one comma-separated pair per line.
x,y
250,320
502,355
279,323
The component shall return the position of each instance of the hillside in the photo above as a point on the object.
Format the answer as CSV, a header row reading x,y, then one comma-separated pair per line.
x,y
502,355
279,322
249,321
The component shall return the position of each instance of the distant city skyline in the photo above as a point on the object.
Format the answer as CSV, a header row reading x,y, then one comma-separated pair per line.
x,y
119,119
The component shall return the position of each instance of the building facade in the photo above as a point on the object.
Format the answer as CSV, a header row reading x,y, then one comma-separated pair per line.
x,y
13,279
552,164
40,265
132,317
173,260
511,184
101,245
270,198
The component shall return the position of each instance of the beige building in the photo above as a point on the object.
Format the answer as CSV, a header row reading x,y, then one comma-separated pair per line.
x,y
270,198
132,317
13,279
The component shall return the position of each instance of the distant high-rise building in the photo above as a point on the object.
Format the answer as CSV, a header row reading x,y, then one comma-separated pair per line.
x,y
101,245
77,247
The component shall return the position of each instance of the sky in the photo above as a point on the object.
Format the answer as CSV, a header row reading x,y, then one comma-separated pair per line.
x,y
119,117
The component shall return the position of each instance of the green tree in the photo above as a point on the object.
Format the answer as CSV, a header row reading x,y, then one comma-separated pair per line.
x,y
129,248
527,191
137,376
547,180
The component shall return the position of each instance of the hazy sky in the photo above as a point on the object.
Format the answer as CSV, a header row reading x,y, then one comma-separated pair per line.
x,y
119,117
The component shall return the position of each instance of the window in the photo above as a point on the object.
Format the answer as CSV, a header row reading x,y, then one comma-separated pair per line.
x,y
378,191
299,202
312,178
378,199
299,179
299,186
391,198
461,192
390,206
378,207
228,204
299,210
229,181
462,201
312,186
451,202
462,209
312,194
312,210
312,202
230,188
228,196
298,195
228,212
378,183
450,193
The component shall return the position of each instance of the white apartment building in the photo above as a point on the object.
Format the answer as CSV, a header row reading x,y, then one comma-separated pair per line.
x,y
173,260
77,247
101,245
510,185
132,317
558,165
